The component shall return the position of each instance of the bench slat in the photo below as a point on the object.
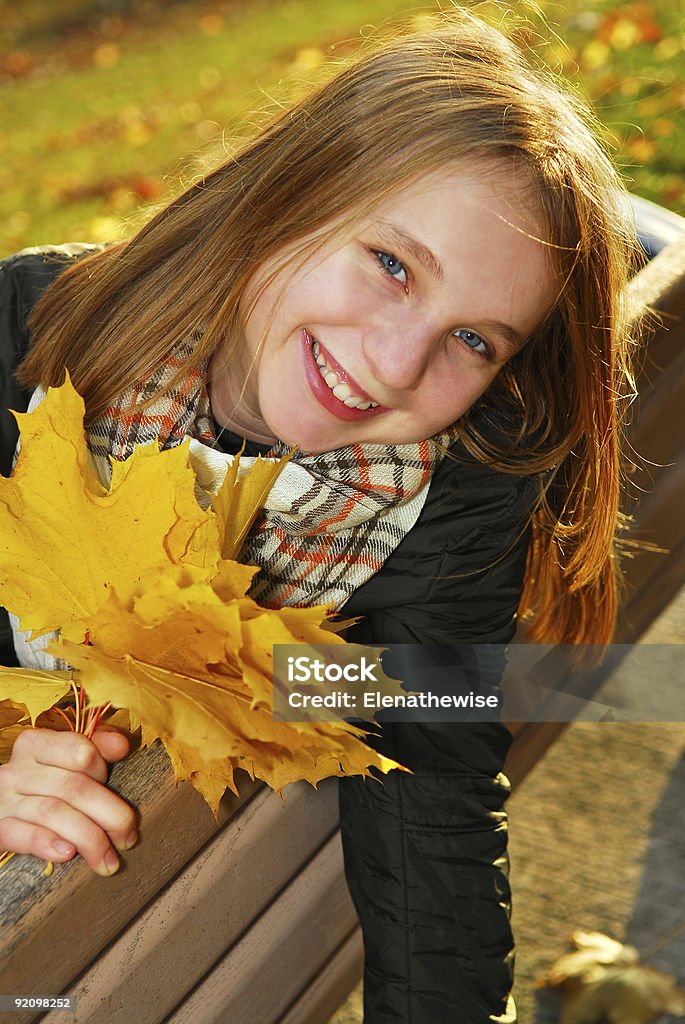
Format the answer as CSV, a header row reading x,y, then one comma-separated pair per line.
x,y
331,986
52,928
283,951
158,959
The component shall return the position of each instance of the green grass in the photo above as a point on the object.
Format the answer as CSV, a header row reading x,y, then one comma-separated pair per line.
x,y
107,106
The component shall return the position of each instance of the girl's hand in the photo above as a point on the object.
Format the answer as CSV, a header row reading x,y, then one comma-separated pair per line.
x,y
54,801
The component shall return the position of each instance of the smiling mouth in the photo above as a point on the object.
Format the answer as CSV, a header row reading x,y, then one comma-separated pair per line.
x,y
340,390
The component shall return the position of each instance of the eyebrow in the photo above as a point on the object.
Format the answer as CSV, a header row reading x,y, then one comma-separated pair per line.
x,y
415,248
510,338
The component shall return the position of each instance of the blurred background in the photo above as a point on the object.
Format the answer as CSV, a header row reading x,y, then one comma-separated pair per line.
x,y
109,106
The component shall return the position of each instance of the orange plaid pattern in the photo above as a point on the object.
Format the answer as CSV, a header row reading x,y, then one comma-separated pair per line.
x,y
345,514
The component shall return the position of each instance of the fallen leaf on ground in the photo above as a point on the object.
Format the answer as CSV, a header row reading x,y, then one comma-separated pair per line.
x,y
604,980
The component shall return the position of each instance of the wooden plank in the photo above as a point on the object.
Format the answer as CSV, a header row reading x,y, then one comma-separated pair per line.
x,y
257,981
660,402
155,963
654,578
658,436
660,286
331,986
52,928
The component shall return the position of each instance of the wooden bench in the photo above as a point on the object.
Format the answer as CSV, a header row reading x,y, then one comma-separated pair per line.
x,y
249,922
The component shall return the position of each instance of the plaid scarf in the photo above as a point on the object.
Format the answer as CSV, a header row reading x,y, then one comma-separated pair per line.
x,y
331,520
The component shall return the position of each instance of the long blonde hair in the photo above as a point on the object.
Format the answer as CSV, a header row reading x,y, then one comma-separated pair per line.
x,y
417,103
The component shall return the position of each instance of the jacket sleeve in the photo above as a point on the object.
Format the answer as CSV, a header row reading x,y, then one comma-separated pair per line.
x,y
425,854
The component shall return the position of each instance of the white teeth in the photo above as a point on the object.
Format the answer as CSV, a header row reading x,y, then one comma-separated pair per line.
x,y
341,391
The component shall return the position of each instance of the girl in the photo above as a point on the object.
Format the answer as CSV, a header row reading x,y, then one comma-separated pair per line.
x,y
416,276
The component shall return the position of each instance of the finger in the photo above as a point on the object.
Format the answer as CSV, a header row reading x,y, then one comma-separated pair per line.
x,y
25,837
68,750
105,811
112,744
71,825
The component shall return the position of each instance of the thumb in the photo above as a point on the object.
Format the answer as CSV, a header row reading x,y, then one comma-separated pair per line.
x,y
112,744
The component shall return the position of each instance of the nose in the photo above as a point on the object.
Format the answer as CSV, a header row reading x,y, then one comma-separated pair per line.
x,y
399,350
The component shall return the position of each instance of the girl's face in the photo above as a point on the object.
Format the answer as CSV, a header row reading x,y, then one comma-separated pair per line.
x,y
392,333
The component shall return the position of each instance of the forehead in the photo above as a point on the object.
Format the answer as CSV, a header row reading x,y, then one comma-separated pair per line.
x,y
471,189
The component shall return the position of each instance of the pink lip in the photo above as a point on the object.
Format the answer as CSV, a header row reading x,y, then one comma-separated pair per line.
x,y
323,393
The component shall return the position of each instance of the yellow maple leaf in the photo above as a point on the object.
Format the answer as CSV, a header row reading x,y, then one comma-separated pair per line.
x,y
240,497
35,690
160,674
52,577
211,779
13,718
174,638
178,660
308,628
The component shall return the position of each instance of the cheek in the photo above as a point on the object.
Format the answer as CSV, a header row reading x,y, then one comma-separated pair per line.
x,y
337,289
457,389
460,402
340,290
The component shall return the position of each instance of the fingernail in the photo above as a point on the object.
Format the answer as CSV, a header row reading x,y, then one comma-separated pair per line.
x,y
109,864
131,840
61,846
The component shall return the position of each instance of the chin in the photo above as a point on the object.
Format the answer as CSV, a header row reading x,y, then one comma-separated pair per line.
x,y
311,438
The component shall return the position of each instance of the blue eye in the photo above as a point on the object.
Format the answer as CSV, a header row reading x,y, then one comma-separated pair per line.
x,y
392,266
473,340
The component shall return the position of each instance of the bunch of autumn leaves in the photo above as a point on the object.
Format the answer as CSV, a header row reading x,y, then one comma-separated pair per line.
x,y
143,587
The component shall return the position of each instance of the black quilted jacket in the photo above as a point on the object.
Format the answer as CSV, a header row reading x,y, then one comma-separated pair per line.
x,y
425,853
